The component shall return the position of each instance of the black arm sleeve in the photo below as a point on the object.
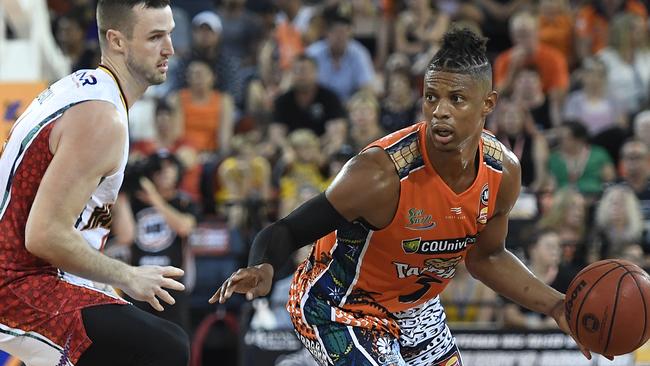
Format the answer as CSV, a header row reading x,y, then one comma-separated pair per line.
x,y
306,224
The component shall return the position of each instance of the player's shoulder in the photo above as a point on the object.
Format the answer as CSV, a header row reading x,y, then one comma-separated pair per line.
x,y
510,180
92,117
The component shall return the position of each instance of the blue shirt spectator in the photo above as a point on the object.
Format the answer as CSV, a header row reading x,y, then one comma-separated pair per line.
x,y
344,65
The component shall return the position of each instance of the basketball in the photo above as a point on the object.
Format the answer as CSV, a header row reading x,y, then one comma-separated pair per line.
x,y
608,307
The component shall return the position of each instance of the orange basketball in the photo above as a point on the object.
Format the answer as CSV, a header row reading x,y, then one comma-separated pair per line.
x,y
608,307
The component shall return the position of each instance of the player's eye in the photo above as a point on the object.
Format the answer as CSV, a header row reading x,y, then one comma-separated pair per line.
x,y
457,98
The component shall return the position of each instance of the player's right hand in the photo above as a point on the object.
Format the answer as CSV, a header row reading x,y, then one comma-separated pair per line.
x,y
253,281
148,283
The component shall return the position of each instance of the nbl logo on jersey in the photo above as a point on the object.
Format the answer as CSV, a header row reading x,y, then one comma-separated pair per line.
x,y
483,205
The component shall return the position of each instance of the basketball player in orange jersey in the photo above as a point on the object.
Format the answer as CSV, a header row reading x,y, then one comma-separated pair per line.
x,y
60,172
394,225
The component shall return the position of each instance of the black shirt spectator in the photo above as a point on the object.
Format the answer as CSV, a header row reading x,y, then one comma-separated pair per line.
x,y
307,104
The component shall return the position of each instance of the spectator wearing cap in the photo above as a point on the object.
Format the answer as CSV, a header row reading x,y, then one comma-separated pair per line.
x,y
206,46
344,65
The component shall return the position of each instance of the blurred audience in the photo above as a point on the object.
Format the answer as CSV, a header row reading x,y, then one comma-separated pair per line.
x,y
556,27
568,217
70,34
307,104
469,302
592,23
344,65
543,254
515,129
619,223
364,120
399,105
207,114
161,218
627,59
527,50
579,163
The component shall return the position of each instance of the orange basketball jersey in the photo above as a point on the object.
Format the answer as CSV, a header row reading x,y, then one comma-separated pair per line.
x,y
370,274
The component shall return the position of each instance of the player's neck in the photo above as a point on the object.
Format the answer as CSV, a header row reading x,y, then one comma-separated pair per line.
x,y
457,168
130,86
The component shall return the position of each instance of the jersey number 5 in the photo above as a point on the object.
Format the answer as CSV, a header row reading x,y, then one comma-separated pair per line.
x,y
425,281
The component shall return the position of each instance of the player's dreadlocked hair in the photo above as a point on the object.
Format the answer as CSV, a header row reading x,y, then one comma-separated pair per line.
x,y
462,52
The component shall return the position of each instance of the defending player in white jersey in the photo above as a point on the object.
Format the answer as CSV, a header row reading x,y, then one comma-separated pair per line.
x,y
60,173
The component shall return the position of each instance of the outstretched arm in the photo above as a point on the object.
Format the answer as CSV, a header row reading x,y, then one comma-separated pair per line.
x,y
491,263
366,189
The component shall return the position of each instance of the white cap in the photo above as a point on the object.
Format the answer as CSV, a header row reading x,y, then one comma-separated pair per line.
x,y
209,18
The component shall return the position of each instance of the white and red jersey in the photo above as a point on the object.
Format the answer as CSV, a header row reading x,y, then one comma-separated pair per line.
x,y
36,298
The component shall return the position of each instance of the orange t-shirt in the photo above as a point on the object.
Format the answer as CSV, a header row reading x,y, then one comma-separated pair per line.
x,y
558,32
202,120
590,24
375,273
551,64
289,42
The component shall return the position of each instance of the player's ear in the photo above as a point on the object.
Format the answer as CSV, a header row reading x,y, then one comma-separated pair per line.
x,y
489,102
115,40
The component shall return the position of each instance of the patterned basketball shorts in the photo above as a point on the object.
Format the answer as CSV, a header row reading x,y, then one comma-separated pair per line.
x,y
425,339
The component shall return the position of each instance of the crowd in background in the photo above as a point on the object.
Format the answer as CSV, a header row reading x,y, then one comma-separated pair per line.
x,y
266,100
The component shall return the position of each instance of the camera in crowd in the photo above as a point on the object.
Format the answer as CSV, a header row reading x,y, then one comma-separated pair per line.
x,y
146,168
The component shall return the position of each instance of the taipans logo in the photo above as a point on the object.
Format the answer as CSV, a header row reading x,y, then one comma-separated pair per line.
x,y
419,220
483,206
442,267
444,246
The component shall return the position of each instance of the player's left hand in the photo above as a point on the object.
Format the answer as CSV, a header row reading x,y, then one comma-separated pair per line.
x,y
558,314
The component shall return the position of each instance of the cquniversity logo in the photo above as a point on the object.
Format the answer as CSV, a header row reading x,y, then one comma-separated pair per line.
x,y
443,246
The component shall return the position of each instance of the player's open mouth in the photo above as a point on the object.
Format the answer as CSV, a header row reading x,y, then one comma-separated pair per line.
x,y
163,66
443,134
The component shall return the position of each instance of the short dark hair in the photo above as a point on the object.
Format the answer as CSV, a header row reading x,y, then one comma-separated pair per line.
x,y
462,52
154,163
577,129
307,58
118,14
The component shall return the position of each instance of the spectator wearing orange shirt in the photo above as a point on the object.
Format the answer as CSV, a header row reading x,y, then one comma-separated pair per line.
x,y
526,51
592,23
556,27
207,114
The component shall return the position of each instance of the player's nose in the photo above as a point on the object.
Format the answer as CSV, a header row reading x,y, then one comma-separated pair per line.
x,y
442,111
168,47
